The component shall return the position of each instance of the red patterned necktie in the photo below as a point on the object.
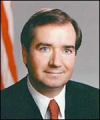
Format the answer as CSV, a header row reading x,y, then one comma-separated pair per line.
x,y
53,108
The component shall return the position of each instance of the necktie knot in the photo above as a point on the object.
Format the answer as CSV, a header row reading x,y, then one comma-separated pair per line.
x,y
53,108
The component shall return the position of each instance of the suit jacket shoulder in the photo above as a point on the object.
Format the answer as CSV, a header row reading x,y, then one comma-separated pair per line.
x,y
82,101
17,102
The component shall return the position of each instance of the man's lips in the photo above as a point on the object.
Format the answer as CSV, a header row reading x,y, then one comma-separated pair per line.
x,y
54,72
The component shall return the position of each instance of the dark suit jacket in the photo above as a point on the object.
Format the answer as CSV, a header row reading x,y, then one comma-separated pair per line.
x,y
82,102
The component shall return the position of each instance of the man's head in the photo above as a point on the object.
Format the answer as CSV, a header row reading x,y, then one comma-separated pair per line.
x,y
50,40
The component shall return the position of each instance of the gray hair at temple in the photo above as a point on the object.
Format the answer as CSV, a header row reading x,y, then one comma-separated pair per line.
x,y
48,16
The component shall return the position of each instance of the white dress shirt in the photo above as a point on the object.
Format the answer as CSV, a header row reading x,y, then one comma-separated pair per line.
x,y
43,101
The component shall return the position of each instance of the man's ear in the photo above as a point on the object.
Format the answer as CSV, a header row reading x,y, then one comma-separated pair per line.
x,y
24,54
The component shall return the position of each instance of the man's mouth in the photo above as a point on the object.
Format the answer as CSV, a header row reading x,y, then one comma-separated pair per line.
x,y
54,72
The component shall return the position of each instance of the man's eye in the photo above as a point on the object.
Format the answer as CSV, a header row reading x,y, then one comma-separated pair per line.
x,y
67,51
44,49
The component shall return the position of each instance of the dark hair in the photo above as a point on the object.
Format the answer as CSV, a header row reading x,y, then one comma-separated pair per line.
x,y
48,16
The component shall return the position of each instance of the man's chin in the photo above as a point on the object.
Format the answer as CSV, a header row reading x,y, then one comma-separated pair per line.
x,y
55,85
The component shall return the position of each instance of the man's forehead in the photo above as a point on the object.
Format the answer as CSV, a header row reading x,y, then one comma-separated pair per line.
x,y
51,29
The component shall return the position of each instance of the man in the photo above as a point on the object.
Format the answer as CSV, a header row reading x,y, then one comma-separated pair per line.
x,y
50,40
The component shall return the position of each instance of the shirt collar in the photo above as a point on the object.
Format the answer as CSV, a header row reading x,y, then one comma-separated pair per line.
x,y
43,101
60,99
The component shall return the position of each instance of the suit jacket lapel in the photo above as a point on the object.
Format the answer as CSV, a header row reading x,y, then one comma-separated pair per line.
x,y
70,106
29,107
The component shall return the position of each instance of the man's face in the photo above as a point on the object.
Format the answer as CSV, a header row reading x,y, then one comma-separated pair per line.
x,y
51,57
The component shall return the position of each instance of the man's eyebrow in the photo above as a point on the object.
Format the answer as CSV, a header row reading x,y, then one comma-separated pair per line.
x,y
43,44
69,46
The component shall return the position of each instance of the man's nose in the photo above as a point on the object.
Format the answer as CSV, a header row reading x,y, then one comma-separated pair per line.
x,y
55,60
